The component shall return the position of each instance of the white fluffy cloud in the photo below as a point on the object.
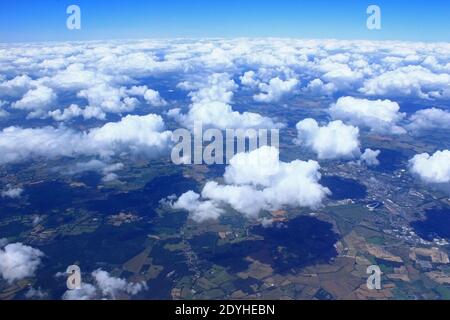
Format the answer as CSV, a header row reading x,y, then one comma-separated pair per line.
x,y
376,68
379,115
74,111
432,118
37,77
153,98
409,81
18,261
275,89
199,210
211,107
317,87
370,157
110,286
432,168
248,79
85,292
340,74
15,87
106,287
36,100
333,141
134,134
258,181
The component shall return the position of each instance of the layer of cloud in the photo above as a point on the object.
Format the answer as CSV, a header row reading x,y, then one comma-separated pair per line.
x,y
133,134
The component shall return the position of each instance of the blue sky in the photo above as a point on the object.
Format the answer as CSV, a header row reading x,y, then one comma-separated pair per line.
x,y
45,20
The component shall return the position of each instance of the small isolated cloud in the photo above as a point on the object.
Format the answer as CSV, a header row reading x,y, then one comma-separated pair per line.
x,y
258,181
12,193
432,168
378,115
336,140
370,157
199,210
426,119
106,287
110,286
275,90
18,261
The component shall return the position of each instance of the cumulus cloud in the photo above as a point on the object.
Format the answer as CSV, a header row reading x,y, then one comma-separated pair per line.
x,y
378,115
432,168
340,74
18,261
248,79
110,286
85,292
426,119
36,100
109,99
16,87
106,287
376,68
133,134
336,140
199,210
317,87
74,111
370,157
275,90
103,76
257,181
414,81
152,97
210,107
